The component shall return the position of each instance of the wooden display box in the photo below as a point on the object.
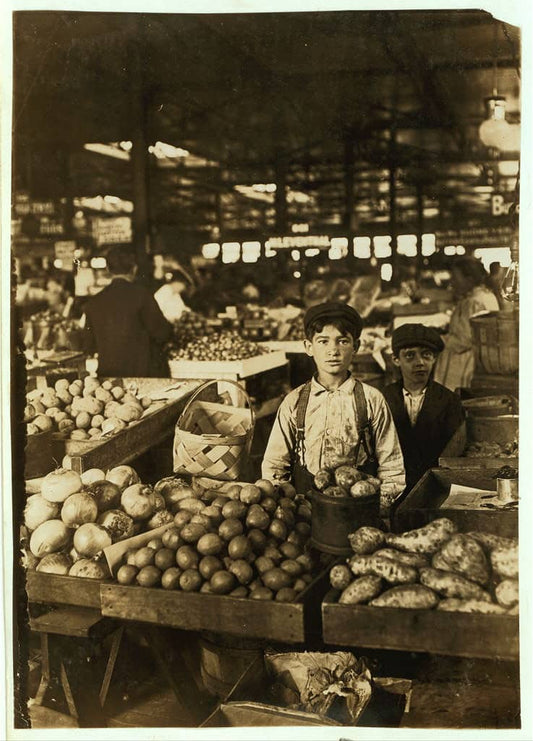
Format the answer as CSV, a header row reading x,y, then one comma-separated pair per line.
x,y
426,631
501,429
285,622
424,503
226,369
63,590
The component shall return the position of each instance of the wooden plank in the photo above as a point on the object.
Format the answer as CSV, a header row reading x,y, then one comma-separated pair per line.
x,y
80,622
277,621
425,503
226,368
66,590
431,631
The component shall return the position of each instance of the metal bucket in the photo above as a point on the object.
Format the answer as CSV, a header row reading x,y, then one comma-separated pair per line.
x,y
334,518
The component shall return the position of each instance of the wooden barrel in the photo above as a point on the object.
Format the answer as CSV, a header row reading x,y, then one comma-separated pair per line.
x,y
495,338
222,662
334,518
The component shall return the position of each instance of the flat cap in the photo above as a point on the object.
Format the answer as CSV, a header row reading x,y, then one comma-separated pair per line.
x,y
334,310
416,335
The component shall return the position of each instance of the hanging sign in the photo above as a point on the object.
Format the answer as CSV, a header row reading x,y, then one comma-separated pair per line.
x,y
293,242
115,230
478,236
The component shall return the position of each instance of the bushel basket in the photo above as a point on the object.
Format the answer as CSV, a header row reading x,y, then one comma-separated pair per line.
x,y
495,338
213,438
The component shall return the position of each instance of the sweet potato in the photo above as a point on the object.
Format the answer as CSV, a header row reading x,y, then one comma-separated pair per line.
x,y
438,562
470,605
465,556
489,541
506,593
393,571
361,590
411,597
505,562
452,585
427,539
366,539
418,560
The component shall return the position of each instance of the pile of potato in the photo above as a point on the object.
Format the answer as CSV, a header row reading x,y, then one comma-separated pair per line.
x,y
345,480
249,540
432,567
85,409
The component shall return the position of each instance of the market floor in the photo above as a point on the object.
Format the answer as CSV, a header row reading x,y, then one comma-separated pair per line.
x,y
446,693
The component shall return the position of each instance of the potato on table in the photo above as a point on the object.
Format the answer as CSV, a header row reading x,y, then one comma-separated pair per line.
x,y
505,562
417,560
361,590
507,593
489,541
470,605
465,556
427,539
449,584
409,596
366,539
393,571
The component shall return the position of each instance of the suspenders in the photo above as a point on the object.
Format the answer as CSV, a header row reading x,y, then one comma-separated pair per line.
x,y
363,423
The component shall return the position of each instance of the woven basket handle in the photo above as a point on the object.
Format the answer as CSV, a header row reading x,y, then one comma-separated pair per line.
x,y
205,385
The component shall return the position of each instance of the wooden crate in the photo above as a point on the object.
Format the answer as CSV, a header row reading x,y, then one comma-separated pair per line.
x,y
284,622
424,503
63,590
502,430
226,369
426,631
132,441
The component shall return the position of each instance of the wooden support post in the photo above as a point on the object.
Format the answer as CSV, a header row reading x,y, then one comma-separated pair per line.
x,y
419,227
392,207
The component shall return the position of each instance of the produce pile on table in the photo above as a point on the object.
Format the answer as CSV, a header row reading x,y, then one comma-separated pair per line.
x,y
486,449
73,518
257,324
47,330
190,326
246,541
85,409
432,567
224,345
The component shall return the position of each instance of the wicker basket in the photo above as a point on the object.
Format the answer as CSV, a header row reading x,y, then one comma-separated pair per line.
x,y
213,439
495,338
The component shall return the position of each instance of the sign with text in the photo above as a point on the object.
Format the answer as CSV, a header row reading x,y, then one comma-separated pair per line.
x,y
293,242
476,236
112,231
64,251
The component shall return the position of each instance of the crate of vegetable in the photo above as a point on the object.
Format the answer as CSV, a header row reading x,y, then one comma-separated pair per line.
x,y
232,561
432,589
491,442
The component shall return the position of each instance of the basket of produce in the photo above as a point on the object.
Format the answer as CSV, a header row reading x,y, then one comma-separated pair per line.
x,y
433,589
495,337
213,439
344,498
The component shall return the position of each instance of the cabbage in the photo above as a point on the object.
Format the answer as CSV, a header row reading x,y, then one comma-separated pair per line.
x,y
138,501
78,509
90,539
122,476
55,563
50,537
57,485
39,510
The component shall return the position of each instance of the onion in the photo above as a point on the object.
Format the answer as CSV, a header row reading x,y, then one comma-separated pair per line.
x,y
117,523
92,475
122,476
51,536
60,484
173,489
138,501
89,569
54,563
90,539
78,509
39,510
106,494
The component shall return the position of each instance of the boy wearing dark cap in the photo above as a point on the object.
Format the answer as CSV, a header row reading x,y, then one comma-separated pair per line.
x,y
426,413
334,418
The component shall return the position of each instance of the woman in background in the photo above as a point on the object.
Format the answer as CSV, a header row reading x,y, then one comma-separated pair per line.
x,y
169,296
455,365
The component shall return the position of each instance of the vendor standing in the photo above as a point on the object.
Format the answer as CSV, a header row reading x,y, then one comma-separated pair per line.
x,y
455,365
426,413
334,416
124,324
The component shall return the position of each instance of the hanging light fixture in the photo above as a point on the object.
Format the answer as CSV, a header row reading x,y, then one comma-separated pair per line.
x,y
495,132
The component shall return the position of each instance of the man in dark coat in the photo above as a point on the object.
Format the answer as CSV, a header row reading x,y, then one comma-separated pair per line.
x,y
426,414
124,324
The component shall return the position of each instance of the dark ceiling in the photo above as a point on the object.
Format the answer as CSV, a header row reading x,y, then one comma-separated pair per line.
x,y
260,94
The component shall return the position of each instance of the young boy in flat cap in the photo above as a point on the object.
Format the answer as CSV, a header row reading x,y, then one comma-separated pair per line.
x,y
426,413
334,416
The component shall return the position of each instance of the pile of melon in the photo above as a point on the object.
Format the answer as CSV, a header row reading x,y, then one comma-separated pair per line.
x,y
74,517
248,540
85,409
